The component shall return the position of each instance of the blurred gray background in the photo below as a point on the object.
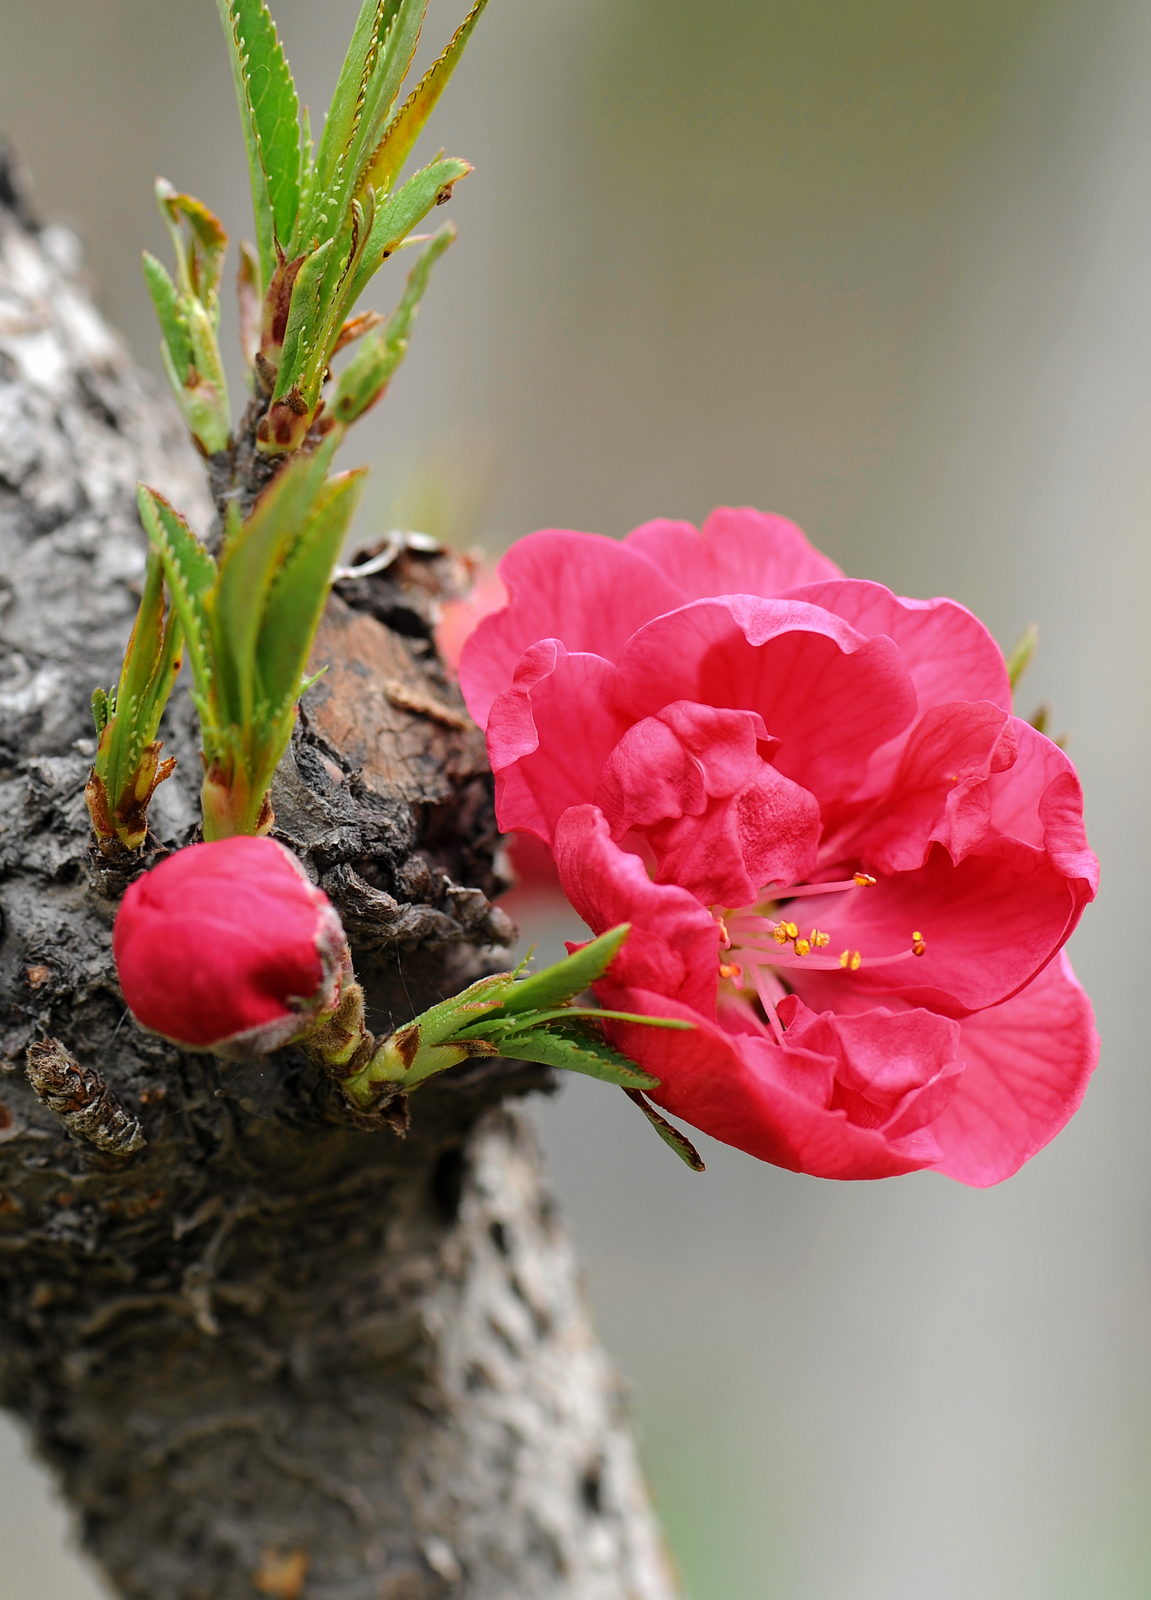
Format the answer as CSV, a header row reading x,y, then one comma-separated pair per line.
x,y
883,266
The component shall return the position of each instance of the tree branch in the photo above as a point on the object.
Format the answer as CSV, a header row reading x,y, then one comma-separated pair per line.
x,y
267,1350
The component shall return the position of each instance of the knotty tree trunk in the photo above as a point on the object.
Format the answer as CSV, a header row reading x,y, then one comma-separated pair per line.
x,y
268,1351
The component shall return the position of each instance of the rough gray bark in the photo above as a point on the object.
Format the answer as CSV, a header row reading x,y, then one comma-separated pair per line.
x,y
265,1350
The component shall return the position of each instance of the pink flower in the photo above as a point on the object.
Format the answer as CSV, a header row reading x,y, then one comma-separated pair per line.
x,y
229,947
844,859
458,618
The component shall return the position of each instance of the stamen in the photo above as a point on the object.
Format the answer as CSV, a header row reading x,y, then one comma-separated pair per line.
x,y
730,969
861,880
803,947
768,1003
918,945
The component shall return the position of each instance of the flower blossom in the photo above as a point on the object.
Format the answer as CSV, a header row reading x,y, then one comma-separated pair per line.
x,y
844,859
229,947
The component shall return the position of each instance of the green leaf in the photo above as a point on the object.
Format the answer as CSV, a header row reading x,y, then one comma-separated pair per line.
x,y
302,331
670,1135
253,555
577,972
382,85
165,300
151,662
576,1050
190,573
406,209
201,275
409,122
269,111
534,1019
299,592
1021,657
366,377
377,62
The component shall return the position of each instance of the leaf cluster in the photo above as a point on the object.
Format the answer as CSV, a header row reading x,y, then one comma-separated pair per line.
x,y
328,217
188,309
249,620
127,766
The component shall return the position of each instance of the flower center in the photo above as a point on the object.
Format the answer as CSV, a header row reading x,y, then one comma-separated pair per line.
x,y
768,941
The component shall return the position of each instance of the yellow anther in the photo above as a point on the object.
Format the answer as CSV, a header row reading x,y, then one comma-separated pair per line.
x,y
803,947
724,936
791,930
918,945
730,969
820,940
864,880
779,933
856,961
845,958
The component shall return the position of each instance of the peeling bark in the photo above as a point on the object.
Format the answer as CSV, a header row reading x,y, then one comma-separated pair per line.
x,y
266,1350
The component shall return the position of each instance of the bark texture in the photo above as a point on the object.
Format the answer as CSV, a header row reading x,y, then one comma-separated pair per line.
x,y
268,1351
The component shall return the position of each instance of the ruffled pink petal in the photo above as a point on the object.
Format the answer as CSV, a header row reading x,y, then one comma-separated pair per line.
x,y
1027,1063
750,1093
738,551
940,790
948,652
720,821
990,923
767,833
550,734
828,695
674,944
590,592
1041,802
894,1070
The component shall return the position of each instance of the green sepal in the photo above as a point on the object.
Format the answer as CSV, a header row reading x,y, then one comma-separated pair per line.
x,y
405,210
409,122
670,1134
366,377
269,111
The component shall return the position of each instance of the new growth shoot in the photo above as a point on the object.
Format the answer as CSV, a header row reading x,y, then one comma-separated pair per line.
x,y
327,217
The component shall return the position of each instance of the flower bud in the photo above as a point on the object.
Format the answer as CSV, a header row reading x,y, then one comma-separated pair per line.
x,y
229,947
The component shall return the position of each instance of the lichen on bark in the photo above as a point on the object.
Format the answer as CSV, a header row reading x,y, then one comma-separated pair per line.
x,y
264,1349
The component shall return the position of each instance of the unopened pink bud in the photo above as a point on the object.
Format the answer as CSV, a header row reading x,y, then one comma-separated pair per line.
x,y
229,947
